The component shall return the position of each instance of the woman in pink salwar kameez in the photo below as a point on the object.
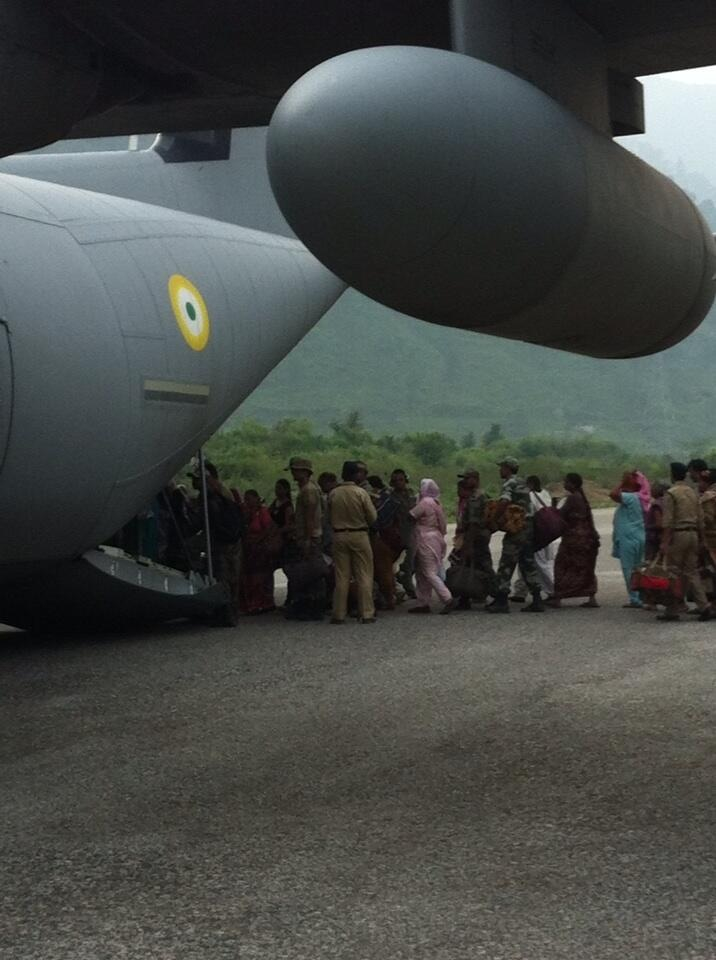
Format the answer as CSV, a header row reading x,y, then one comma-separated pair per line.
x,y
430,530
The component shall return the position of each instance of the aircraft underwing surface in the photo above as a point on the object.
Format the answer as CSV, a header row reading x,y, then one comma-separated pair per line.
x,y
102,67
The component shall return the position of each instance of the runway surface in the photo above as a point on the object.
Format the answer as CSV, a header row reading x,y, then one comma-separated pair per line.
x,y
456,787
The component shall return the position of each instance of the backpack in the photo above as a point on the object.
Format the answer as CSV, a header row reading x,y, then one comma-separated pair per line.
x,y
514,519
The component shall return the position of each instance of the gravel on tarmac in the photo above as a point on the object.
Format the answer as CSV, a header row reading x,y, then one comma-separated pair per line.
x,y
511,788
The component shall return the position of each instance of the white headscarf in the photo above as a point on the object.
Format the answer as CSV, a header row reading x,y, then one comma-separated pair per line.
x,y
428,488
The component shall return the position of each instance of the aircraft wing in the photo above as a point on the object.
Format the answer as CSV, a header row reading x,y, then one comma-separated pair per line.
x,y
227,63
101,67
653,36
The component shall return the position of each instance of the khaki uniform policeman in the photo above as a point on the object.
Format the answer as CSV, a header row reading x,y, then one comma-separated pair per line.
x,y
683,530
352,513
305,598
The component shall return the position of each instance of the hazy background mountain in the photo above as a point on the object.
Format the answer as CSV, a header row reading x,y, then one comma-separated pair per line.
x,y
406,375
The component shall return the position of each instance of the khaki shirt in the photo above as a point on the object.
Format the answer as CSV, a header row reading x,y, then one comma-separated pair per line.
x,y
350,508
682,510
309,502
708,505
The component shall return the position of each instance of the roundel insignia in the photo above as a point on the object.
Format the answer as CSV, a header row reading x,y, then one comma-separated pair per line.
x,y
190,311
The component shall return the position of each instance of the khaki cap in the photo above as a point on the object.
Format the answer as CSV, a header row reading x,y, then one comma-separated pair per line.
x,y
469,472
299,463
510,462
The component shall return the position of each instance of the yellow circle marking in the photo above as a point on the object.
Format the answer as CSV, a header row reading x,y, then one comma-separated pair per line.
x,y
190,311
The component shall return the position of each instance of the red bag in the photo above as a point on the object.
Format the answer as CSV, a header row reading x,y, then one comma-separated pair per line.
x,y
548,527
653,580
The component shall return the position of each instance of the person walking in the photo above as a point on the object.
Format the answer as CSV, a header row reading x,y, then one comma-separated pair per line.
x,y
517,546
352,512
682,538
386,543
304,565
576,560
653,521
406,500
474,533
226,528
544,558
430,548
281,508
629,532
259,556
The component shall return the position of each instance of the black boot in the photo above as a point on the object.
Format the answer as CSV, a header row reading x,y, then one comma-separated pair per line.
x,y
536,606
499,604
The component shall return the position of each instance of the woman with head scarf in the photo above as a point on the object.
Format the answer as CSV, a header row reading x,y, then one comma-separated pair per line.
x,y
576,560
430,530
629,531
644,491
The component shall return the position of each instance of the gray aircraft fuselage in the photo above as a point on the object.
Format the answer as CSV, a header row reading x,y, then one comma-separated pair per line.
x,y
129,333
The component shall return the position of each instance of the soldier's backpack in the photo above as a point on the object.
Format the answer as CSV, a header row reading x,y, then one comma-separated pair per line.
x,y
513,520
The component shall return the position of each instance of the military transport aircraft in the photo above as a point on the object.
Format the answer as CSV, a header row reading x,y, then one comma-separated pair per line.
x,y
450,158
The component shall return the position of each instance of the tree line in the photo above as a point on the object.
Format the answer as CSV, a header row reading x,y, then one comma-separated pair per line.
x,y
253,455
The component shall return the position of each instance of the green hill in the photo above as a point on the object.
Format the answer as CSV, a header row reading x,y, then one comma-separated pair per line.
x,y
405,375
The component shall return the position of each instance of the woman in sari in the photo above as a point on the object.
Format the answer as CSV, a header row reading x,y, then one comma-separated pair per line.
x,y
576,560
281,509
629,532
259,557
430,530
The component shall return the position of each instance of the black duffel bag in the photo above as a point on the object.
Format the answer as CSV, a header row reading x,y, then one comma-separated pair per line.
x,y
464,580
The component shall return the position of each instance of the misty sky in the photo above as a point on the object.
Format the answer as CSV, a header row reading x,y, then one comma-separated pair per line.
x,y
680,137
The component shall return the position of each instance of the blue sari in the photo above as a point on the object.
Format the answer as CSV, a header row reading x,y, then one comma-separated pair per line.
x,y
629,538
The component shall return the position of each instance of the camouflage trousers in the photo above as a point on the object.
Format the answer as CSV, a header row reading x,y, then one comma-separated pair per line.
x,y
518,551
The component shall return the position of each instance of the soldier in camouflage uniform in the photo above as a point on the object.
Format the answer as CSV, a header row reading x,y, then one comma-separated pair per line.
x,y
517,548
476,533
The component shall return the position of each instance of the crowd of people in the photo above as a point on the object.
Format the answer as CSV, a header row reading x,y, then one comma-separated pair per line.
x,y
353,544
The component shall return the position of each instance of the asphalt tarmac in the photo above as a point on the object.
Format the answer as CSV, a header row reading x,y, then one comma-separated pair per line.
x,y
456,787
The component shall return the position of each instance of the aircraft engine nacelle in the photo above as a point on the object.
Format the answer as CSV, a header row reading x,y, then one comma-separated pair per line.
x,y
128,334
456,192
